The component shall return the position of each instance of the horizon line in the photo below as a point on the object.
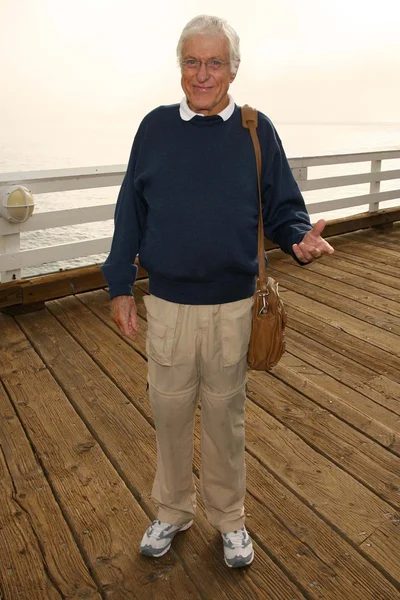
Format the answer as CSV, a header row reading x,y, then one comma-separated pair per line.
x,y
386,123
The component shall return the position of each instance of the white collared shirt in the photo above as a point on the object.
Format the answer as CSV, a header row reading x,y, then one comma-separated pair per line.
x,y
187,114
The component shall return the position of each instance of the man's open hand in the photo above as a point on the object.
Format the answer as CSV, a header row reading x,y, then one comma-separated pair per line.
x,y
124,314
313,245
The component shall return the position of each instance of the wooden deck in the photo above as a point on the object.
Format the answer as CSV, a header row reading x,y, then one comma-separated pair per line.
x,y
323,444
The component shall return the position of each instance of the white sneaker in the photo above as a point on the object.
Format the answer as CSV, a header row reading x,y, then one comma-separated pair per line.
x,y
158,538
238,548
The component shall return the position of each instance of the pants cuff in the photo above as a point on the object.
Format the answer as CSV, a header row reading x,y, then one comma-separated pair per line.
x,y
226,526
174,517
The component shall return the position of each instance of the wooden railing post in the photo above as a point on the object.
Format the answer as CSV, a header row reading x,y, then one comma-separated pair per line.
x,y
300,173
375,186
10,244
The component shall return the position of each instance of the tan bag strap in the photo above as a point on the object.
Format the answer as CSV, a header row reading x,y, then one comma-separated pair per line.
x,y
250,122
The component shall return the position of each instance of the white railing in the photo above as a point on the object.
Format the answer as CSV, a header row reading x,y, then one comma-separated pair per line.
x,y
13,259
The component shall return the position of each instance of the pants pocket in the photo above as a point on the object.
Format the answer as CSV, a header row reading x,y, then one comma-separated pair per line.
x,y
236,320
161,326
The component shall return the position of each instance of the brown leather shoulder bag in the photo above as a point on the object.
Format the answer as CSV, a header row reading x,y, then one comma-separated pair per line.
x,y
267,340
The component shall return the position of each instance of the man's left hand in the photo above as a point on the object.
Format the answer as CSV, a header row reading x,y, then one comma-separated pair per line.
x,y
312,245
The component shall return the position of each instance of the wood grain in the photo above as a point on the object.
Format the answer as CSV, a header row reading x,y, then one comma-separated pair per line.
x,y
376,361
346,321
344,379
322,447
343,303
355,288
45,562
124,433
106,519
341,443
355,453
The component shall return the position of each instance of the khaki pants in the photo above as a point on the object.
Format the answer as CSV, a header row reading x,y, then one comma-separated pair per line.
x,y
199,352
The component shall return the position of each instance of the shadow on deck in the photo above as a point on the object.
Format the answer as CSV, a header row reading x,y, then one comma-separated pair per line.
x,y
78,450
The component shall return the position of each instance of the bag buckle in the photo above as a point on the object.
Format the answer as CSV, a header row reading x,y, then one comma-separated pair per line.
x,y
264,308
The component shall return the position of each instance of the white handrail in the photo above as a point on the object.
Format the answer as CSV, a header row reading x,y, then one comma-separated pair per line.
x,y
60,218
339,159
12,259
63,180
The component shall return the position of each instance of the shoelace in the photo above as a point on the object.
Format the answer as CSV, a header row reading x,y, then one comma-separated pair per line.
x,y
236,537
158,527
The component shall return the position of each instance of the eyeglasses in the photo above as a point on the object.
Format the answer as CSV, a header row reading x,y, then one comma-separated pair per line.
x,y
190,64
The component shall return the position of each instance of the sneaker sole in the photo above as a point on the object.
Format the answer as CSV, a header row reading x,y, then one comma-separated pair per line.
x,y
148,553
246,564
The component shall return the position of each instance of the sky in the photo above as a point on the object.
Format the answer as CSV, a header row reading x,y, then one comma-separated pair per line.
x,y
104,63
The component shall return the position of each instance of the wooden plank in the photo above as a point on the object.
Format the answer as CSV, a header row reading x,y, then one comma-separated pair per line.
x,y
388,324
311,561
352,374
101,343
106,520
381,236
22,568
65,251
384,233
336,496
395,229
10,294
315,420
40,558
337,286
386,238
361,221
344,180
61,180
371,263
27,177
383,546
352,274
325,564
61,218
379,233
325,206
363,250
22,309
346,322
330,333
99,304
337,159
380,374
124,433
55,285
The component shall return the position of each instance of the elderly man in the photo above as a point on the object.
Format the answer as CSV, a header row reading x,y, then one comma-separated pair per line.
x,y
188,206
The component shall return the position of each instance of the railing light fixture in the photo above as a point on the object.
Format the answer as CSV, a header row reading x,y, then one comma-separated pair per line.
x,y
16,203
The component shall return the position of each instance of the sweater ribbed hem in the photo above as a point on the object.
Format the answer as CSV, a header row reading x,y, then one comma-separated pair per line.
x,y
189,292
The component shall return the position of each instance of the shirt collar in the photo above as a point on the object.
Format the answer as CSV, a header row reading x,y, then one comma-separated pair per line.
x,y
187,114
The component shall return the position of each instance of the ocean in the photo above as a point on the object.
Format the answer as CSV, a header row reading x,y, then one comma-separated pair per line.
x,y
77,147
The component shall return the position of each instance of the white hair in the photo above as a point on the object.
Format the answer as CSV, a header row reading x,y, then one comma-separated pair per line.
x,y
208,25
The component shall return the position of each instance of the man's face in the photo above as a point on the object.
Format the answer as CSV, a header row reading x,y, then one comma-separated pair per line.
x,y
206,89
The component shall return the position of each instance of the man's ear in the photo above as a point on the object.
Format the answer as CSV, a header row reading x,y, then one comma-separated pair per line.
x,y
233,78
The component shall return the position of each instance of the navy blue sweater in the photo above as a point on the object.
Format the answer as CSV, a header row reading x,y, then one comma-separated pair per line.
x,y
188,206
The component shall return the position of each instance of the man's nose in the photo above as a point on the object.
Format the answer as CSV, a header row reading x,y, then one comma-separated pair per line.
x,y
202,73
